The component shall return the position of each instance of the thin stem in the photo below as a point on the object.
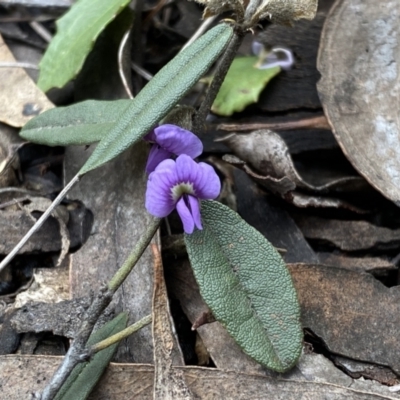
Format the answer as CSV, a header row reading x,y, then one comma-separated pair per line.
x,y
222,69
40,221
76,352
120,335
133,258
15,64
251,9
305,123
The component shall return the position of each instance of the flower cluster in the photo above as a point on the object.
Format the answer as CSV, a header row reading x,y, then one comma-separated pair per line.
x,y
178,183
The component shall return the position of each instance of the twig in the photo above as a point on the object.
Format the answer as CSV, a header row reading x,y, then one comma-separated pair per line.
x,y
40,221
222,69
120,63
15,64
306,123
41,31
120,335
76,352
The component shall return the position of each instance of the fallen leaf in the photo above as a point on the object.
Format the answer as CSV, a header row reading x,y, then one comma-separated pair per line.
x,y
360,87
169,383
63,318
49,285
20,98
349,235
354,314
117,202
374,265
268,154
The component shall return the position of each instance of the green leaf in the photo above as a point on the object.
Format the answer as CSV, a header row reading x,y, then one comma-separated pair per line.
x,y
160,95
242,86
84,376
77,30
247,286
79,124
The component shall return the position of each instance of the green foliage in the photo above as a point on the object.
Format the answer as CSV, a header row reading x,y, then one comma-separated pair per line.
x,y
242,86
79,124
77,31
160,95
84,376
247,286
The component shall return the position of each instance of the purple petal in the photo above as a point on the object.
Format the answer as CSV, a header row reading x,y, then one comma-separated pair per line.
x,y
159,200
178,141
205,180
208,184
195,210
156,156
186,216
285,60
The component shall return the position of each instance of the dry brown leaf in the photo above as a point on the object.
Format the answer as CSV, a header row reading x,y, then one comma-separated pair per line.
x,y
268,154
135,381
349,235
169,383
354,314
115,195
360,87
49,285
20,98
373,265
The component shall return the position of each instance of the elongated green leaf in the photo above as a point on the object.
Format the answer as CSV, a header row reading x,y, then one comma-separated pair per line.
x,y
76,32
79,124
160,95
85,375
246,284
242,86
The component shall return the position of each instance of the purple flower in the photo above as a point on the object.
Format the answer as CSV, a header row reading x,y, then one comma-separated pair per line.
x,y
171,140
180,184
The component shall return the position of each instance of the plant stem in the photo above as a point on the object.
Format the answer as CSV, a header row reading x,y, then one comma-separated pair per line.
x,y
120,335
133,258
222,69
76,352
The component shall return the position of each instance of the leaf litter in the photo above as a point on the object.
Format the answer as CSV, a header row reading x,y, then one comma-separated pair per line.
x,y
338,305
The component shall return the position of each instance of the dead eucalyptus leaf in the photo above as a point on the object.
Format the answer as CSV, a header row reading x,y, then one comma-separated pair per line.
x,y
134,381
20,98
268,154
354,314
349,235
49,285
360,87
374,265
168,382
285,12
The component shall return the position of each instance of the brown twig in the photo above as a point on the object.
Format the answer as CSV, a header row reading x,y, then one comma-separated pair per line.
x,y
306,123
